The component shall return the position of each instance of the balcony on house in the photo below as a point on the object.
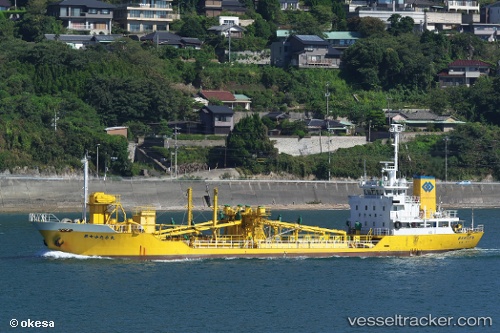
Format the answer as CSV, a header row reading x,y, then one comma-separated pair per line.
x,y
151,4
463,6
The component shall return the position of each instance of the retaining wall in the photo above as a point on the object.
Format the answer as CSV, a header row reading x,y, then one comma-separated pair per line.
x,y
19,194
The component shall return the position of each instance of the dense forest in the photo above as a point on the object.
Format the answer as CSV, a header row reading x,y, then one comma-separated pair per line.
x,y
56,101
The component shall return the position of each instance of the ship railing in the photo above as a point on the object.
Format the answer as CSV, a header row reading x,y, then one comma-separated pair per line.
x,y
446,213
43,217
128,228
221,242
478,228
381,231
290,241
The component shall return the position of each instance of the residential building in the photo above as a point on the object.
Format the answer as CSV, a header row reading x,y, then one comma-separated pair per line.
x,y
335,127
340,127
463,72
117,130
226,30
423,119
170,39
5,4
227,98
82,41
427,15
234,7
289,4
146,16
486,31
217,119
229,20
491,13
214,8
282,34
92,16
304,51
277,116
342,39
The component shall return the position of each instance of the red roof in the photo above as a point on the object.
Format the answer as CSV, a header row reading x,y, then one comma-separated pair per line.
x,y
217,94
468,63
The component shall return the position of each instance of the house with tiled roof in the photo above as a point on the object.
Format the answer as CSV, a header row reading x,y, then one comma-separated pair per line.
x,y
171,39
304,51
227,30
217,119
82,41
227,98
423,119
463,72
336,127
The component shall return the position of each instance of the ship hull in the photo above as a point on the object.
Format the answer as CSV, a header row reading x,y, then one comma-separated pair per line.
x,y
92,240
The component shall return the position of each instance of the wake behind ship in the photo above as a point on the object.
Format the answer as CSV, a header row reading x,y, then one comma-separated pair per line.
x,y
384,221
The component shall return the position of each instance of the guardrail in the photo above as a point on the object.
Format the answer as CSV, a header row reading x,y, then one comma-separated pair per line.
x,y
43,217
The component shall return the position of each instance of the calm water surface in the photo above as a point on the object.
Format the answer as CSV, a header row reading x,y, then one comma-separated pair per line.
x,y
81,294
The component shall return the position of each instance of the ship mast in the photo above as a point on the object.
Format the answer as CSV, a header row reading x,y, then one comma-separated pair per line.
x,y
392,171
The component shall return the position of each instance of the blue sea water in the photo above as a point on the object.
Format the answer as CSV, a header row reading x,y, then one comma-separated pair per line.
x,y
81,294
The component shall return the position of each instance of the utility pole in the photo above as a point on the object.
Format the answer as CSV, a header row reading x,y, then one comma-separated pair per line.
x,y
56,118
176,147
97,164
225,152
369,131
327,96
446,158
229,54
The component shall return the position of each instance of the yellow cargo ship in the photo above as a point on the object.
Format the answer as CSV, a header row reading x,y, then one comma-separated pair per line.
x,y
384,221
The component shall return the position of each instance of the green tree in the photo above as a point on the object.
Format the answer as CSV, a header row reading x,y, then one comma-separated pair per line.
x,y
339,20
400,24
323,15
193,27
367,26
249,142
269,10
7,28
304,23
263,28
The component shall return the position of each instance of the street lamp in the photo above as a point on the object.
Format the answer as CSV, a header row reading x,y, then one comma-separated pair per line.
x,y
97,164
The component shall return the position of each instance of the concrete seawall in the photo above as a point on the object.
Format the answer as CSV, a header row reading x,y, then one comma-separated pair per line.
x,y
19,194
